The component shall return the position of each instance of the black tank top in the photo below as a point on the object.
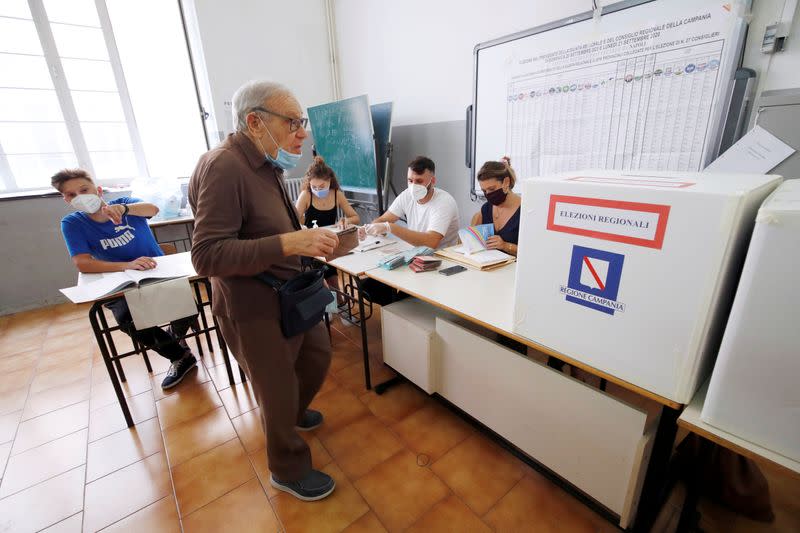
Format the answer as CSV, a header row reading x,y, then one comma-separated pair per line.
x,y
323,217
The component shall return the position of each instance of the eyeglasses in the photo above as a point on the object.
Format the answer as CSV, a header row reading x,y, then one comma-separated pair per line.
x,y
294,123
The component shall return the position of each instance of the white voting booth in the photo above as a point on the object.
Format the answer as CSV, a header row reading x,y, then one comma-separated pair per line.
x,y
633,274
754,392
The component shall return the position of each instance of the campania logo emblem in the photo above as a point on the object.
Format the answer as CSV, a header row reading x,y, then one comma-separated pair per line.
x,y
594,279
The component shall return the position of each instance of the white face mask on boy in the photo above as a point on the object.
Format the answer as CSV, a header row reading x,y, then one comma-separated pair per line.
x,y
88,203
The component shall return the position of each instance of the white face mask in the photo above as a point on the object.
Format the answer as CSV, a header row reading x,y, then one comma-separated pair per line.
x,y
88,203
418,191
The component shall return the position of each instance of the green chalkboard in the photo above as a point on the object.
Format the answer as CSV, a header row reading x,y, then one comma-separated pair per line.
x,y
343,137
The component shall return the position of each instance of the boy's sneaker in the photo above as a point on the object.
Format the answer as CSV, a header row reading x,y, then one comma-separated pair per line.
x,y
311,420
315,486
178,370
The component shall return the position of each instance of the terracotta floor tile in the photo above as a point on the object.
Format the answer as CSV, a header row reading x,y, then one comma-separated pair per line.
x,y
220,376
450,514
320,458
251,430
11,381
238,399
187,403
123,448
103,391
352,376
73,524
109,419
198,435
115,496
432,430
368,523
13,400
161,517
329,384
48,361
525,508
244,509
208,476
51,426
196,377
8,425
49,400
5,451
396,403
43,462
64,497
340,408
358,447
332,514
60,375
479,472
346,355
21,361
13,345
400,491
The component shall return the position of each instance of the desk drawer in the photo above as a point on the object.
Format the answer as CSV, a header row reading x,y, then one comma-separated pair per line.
x,y
592,440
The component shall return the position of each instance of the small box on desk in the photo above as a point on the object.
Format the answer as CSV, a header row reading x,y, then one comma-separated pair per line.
x,y
634,274
754,392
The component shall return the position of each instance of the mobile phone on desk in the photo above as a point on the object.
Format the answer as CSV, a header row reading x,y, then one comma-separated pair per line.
x,y
449,271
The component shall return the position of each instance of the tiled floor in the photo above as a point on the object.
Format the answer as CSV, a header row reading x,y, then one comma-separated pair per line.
x,y
195,460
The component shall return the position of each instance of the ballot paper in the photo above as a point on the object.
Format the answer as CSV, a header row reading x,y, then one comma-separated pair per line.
x,y
757,152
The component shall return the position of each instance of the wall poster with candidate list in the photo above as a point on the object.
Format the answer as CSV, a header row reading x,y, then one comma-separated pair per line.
x,y
644,88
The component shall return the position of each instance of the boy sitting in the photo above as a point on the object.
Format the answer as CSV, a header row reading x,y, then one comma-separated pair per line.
x,y
111,237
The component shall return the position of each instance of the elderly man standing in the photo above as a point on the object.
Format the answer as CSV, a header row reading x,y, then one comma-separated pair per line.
x,y
245,224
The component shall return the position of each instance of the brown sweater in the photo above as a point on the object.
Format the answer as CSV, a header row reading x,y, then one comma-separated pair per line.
x,y
240,208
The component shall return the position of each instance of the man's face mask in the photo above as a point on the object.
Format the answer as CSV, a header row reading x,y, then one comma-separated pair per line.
x,y
87,203
285,160
418,191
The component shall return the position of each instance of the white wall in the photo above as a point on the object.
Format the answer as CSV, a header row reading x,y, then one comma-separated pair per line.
x,y
418,53
276,40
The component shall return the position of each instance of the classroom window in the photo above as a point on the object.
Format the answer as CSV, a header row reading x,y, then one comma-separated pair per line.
x,y
101,84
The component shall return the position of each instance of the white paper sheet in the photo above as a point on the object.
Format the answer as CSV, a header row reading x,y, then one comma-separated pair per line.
x,y
159,303
757,152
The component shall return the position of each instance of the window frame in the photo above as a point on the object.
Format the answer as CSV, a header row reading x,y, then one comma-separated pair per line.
x,y
67,106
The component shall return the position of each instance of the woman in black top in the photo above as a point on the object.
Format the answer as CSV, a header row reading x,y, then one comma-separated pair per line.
x,y
321,197
502,207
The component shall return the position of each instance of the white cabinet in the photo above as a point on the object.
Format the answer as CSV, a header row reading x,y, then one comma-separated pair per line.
x,y
409,341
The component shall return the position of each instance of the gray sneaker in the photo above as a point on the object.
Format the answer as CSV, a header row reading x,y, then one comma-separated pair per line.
x,y
178,370
315,486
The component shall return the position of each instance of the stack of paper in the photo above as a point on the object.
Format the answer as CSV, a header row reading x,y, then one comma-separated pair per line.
x,y
485,260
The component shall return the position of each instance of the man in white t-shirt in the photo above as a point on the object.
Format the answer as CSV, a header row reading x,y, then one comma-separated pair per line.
x,y
431,214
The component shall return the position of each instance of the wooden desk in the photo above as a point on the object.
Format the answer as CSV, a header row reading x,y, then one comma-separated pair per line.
x,y
176,231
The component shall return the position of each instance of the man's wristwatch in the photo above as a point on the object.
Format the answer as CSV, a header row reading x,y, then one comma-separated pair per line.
x,y
126,209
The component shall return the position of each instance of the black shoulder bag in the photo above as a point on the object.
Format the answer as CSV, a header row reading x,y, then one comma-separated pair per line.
x,y
303,300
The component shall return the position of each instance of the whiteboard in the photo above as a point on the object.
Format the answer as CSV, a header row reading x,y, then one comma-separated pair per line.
x,y
645,87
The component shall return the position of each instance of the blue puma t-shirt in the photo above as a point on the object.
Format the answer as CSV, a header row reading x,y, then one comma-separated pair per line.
x,y
107,241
